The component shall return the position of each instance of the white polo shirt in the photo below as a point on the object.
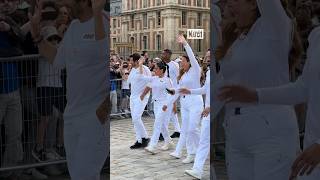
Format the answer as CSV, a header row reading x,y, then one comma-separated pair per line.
x,y
85,60
158,86
138,86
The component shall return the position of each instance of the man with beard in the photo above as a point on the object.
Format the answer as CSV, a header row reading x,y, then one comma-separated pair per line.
x,y
83,53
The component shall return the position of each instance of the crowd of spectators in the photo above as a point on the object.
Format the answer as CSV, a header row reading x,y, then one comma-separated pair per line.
x,y
120,89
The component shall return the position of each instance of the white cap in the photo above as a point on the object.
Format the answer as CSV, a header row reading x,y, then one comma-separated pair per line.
x,y
177,60
49,31
156,60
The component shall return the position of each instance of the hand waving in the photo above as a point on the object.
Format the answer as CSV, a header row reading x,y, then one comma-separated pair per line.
x,y
181,39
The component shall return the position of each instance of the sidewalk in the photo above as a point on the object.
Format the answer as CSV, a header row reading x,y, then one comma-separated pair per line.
x,y
137,164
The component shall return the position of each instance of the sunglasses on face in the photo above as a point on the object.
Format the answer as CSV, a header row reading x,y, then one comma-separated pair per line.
x,y
52,39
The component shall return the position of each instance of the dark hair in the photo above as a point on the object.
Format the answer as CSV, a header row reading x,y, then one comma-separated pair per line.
x,y
168,51
143,53
163,66
181,72
136,57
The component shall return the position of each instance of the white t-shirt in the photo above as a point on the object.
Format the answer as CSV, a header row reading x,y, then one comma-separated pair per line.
x,y
137,86
158,86
49,76
85,60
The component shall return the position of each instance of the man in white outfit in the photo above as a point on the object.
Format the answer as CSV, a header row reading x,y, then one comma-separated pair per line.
x,y
138,100
173,74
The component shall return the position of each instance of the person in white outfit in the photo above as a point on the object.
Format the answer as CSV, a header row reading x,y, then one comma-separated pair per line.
x,y
191,105
138,101
304,90
83,53
174,72
204,144
262,141
158,84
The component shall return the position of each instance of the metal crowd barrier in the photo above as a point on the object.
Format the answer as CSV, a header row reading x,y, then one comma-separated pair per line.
x,y
31,92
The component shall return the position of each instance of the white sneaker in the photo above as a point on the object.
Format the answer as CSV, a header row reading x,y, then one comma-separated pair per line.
x,y
151,150
189,159
177,156
193,173
167,146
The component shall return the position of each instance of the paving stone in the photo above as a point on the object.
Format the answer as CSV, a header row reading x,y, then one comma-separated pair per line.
x,y
138,164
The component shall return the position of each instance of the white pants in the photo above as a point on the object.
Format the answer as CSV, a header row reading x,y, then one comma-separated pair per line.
x,y
175,121
160,123
137,107
204,145
191,109
86,144
114,101
261,143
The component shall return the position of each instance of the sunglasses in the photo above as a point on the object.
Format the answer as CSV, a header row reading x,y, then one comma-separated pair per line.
x,y
54,38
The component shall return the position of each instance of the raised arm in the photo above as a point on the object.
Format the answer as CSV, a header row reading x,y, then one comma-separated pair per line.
x,y
143,74
193,61
97,8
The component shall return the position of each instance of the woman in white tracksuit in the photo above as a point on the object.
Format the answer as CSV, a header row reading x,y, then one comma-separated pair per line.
x,y
305,89
191,105
158,83
204,144
261,140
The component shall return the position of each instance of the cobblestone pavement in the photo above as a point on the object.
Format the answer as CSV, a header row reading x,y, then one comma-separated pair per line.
x,y
137,164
